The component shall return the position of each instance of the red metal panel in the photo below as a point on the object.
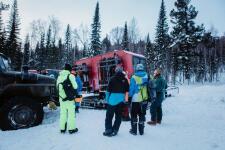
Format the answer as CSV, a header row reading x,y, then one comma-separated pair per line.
x,y
93,62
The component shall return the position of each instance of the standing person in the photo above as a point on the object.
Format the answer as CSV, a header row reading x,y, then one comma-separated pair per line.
x,y
66,86
151,89
115,97
79,82
125,109
156,107
138,96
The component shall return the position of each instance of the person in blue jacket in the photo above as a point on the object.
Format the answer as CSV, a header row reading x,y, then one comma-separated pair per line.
x,y
138,95
115,96
79,90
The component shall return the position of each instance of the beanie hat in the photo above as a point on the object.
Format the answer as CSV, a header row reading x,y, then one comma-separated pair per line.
x,y
139,67
68,67
118,69
158,71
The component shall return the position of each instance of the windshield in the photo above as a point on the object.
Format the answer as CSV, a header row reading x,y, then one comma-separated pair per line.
x,y
4,64
139,60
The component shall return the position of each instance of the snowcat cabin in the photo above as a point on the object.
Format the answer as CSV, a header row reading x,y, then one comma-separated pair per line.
x,y
96,71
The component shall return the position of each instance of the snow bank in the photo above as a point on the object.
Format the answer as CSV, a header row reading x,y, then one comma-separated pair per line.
x,y
193,120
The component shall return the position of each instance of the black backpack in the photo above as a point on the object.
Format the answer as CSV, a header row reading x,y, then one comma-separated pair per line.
x,y
70,92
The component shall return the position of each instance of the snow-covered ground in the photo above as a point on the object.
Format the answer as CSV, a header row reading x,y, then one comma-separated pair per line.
x,y
193,120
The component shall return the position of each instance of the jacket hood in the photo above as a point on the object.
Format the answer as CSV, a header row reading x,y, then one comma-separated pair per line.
x,y
119,75
158,77
140,73
64,73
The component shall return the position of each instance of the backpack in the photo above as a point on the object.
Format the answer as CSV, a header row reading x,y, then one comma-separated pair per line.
x,y
70,92
143,93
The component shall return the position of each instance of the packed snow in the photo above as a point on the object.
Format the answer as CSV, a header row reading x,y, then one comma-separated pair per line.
x,y
193,120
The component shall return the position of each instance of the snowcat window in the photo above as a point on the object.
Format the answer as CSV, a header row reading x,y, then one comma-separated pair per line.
x,y
2,66
6,63
139,60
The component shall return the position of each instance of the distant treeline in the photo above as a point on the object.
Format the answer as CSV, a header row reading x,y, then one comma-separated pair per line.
x,y
187,53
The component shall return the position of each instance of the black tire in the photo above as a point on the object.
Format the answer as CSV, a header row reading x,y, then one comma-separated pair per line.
x,y
20,112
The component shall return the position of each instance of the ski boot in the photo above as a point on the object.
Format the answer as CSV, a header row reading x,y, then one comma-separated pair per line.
x,y
73,131
108,133
152,123
141,128
159,122
133,129
64,131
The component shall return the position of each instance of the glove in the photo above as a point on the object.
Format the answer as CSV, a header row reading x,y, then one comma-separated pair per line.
x,y
149,99
126,103
78,96
129,99
153,99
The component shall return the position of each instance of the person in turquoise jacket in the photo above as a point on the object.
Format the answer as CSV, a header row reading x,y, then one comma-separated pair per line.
x,y
67,113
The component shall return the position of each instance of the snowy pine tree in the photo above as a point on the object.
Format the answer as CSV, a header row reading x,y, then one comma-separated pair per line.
x,y
76,53
186,34
40,53
95,35
125,41
61,54
106,44
174,63
48,49
85,51
13,49
150,55
2,30
68,54
2,41
2,35
212,61
56,56
35,56
51,50
162,41
26,52
32,63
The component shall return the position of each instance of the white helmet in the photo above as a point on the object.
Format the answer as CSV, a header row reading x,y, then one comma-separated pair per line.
x,y
139,67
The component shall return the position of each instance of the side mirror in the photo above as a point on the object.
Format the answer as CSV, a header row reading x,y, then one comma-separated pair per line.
x,y
25,68
9,61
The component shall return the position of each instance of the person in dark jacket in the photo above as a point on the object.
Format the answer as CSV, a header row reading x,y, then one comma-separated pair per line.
x,y
160,86
115,96
138,95
151,89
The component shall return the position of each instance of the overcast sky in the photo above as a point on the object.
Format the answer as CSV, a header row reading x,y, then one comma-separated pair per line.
x,y
114,13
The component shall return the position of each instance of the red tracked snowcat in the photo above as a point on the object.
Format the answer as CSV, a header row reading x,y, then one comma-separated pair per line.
x,y
96,71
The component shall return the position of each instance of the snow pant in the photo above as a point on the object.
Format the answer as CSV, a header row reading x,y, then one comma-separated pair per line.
x,y
67,115
111,110
138,112
156,111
